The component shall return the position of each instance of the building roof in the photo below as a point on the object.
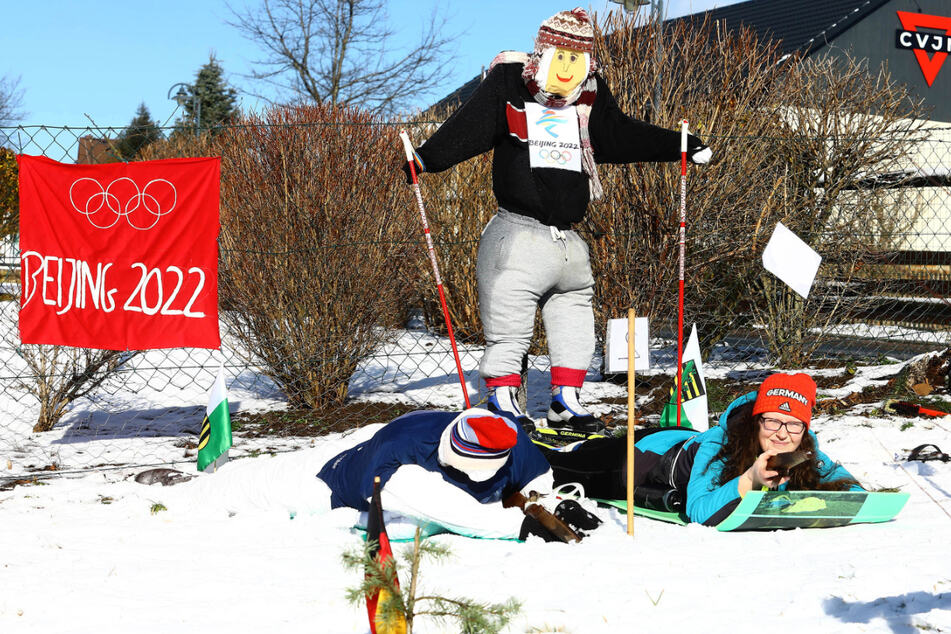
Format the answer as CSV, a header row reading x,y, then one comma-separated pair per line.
x,y
803,26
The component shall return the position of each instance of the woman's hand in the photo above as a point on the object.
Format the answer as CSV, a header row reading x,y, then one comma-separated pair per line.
x,y
761,475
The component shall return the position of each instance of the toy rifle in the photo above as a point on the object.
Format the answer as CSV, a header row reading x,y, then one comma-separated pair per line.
x,y
783,462
912,409
551,523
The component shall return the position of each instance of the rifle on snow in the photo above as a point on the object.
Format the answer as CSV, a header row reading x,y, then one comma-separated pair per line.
x,y
904,408
551,523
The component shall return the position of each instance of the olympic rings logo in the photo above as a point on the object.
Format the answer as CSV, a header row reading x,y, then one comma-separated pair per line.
x,y
555,157
104,206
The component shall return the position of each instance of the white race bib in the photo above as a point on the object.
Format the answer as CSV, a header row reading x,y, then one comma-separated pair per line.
x,y
553,137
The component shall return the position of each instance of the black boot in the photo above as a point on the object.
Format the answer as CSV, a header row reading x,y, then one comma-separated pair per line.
x,y
567,413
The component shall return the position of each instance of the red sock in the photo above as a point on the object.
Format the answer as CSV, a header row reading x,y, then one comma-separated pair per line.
x,y
566,376
509,380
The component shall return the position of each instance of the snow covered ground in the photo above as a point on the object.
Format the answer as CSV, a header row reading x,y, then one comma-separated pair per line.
x,y
241,550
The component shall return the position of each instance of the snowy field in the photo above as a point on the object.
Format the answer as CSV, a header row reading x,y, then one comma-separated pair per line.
x,y
242,550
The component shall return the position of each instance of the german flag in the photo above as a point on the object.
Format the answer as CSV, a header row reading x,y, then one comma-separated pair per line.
x,y
382,556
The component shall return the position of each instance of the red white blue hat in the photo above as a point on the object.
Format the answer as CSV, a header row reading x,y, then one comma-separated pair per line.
x,y
478,443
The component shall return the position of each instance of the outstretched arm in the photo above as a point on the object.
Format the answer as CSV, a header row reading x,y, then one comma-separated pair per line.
x,y
618,138
415,492
471,130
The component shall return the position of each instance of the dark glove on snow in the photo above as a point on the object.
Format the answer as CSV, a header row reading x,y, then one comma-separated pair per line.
x,y
575,516
531,526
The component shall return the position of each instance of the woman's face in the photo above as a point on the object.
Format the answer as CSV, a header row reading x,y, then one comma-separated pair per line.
x,y
781,439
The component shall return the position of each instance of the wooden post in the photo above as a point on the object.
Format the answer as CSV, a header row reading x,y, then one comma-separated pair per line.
x,y
630,422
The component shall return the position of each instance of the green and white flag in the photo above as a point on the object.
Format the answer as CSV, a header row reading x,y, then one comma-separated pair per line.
x,y
693,410
215,437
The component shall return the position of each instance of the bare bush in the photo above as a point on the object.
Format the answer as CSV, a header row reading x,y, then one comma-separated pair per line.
x,y
314,244
319,242
769,166
62,374
842,126
723,83
459,203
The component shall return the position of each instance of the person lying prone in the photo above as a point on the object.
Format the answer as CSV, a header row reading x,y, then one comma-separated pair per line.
x,y
705,475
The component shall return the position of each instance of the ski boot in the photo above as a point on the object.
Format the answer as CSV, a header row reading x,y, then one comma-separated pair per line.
x,y
503,400
566,413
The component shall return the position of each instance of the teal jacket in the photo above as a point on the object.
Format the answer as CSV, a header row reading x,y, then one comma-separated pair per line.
x,y
692,469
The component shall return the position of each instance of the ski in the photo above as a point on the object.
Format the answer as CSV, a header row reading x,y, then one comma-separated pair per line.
x,y
772,510
558,438
781,510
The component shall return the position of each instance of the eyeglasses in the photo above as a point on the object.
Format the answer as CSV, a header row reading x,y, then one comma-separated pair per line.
x,y
793,427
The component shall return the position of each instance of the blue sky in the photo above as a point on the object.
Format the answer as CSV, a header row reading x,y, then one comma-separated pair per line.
x,y
104,57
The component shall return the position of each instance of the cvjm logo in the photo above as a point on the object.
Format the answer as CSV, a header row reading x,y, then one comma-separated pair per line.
x,y
938,45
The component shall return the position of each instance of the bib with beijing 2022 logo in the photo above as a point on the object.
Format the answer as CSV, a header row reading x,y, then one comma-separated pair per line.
x,y
553,137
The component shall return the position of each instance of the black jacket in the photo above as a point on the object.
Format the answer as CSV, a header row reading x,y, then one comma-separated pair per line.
x,y
553,196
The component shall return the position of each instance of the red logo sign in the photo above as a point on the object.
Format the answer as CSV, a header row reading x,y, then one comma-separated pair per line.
x,y
923,43
121,256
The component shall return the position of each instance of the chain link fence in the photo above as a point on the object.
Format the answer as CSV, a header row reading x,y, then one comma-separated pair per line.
x,y
283,336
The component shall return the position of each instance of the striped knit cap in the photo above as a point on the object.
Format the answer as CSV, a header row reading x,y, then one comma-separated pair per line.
x,y
477,443
567,29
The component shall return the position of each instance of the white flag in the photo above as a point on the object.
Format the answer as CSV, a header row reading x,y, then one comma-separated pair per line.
x,y
694,413
790,259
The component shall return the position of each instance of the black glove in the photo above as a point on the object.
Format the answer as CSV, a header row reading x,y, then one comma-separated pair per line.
x,y
531,526
575,516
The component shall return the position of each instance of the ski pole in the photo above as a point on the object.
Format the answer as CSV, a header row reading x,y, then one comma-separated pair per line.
x,y
408,147
631,404
683,234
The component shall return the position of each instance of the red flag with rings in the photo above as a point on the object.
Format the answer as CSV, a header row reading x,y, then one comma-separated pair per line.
x,y
120,256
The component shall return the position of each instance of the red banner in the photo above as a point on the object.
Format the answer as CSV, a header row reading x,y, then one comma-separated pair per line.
x,y
121,256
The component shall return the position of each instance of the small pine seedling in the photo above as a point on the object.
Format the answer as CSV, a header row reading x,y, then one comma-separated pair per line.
x,y
473,617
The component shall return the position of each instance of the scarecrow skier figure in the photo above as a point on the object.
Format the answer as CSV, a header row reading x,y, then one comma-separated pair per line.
x,y
551,119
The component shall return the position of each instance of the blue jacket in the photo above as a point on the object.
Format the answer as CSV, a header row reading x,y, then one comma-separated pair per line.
x,y
706,502
414,439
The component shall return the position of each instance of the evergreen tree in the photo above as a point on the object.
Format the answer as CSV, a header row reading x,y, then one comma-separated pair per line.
x,y
9,199
212,102
139,133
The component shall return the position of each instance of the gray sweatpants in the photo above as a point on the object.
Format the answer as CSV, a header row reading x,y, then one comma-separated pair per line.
x,y
524,264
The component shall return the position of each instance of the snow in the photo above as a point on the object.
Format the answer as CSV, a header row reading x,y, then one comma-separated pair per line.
x,y
244,549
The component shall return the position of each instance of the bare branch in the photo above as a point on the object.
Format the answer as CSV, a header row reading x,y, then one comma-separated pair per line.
x,y
11,100
340,52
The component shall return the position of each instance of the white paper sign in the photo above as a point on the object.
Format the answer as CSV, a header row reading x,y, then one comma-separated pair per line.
x,y
791,260
553,137
615,345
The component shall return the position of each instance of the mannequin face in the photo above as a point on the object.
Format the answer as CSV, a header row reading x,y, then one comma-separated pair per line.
x,y
568,69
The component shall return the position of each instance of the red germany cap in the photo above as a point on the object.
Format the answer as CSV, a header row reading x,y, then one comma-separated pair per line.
x,y
792,394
